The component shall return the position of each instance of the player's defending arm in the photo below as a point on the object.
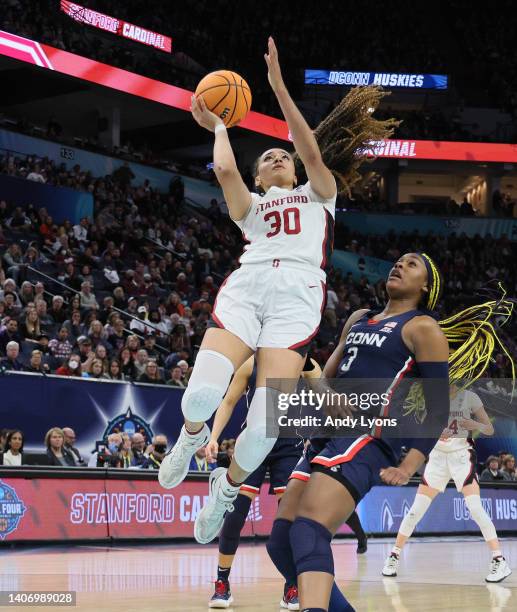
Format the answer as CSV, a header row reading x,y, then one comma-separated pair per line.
x,y
428,343
321,178
236,194
235,391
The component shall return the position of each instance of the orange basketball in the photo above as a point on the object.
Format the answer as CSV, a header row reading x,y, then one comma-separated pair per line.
x,y
226,94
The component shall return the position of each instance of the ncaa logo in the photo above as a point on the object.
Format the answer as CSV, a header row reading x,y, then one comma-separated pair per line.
x,y
11,510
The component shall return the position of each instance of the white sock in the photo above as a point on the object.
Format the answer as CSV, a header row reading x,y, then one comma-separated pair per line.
x,y
497,553
396,551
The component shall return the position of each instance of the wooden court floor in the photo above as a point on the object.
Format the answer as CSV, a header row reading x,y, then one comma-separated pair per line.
x,y
439,574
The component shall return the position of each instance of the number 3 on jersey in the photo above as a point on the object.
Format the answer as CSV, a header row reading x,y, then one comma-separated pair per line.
x,y
290,218
351,354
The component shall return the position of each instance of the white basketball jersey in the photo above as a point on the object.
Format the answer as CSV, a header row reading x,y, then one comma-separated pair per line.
x,y
287,226
463,405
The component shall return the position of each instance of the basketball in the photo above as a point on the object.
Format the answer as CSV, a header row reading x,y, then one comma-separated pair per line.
x,y
226,94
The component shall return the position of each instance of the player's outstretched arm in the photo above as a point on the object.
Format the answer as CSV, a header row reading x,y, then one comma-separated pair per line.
x,y
321,178
235,391
236,194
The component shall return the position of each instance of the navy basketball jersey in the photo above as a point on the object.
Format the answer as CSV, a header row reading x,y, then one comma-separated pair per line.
x,y
375,349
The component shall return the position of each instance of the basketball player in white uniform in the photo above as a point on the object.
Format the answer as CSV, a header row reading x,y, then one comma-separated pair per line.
x,y
454,457
270,306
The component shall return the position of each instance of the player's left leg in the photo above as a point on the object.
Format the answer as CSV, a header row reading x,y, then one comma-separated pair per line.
x,y
253,444
228,543
499,568
324,506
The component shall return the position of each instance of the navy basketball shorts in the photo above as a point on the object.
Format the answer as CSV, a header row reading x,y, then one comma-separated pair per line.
x,y
280,462
354,463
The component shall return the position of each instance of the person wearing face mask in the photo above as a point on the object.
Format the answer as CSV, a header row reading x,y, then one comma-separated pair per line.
x,y
70,368
109,456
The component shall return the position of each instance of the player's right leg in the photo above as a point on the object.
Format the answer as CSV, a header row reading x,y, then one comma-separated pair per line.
x,y
220,355
423,498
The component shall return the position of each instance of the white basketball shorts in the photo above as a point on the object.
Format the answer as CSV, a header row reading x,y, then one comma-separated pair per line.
x,y
459,466
276,306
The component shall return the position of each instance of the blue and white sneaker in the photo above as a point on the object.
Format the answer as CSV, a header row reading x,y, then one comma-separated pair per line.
x,y
290,599
175,464
211,518
222,597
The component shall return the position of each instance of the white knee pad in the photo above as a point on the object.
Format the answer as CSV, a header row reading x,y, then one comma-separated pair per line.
x,y
207,385
479,516
252,445
415,514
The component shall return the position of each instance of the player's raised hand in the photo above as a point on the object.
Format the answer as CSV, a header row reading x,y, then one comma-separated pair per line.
x,y
204,117
274,74
394,476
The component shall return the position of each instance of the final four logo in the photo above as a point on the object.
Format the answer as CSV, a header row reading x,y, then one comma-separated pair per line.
x,y
129,423
11,510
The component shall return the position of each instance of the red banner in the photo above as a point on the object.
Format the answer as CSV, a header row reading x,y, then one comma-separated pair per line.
x,y
45,56
122,28
76,509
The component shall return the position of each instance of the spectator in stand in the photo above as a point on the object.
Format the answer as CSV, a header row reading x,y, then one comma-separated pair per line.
x,y
110,455
114,371
36,175
30,328
9,286
36,364
117,339
141,362
75,328
176,378
95,369
57,311
158,452
81,232
85,351
126,452
60,347
133,344
72,367
139,325
492,473
138,448
57,454
12,261
199,462
119,297
9,334
3,434
151,374
26,295
96,334
127,364
19,221
508,467
45,320
179,340
101,353
70,440
13,448
88,299
10,361
150,347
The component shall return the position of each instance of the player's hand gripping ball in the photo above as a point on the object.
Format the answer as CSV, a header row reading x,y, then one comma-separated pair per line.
x,y
226,94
